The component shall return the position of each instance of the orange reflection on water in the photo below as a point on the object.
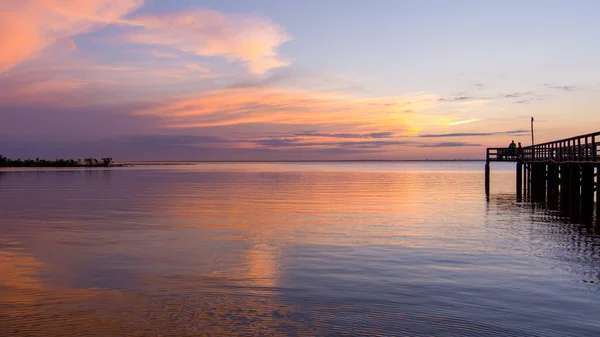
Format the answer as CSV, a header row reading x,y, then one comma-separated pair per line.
x,y
28,307
206,252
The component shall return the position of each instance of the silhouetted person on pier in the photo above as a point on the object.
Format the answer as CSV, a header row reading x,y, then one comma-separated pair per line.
x,y
519,151
511,148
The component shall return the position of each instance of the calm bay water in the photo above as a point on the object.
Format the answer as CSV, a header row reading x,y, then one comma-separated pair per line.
x,y
289,249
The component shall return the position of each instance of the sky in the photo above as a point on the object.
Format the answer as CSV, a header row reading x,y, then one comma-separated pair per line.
x,y
293,80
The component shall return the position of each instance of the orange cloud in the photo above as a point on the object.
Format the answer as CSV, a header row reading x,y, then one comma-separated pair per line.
x,y
29,27
284,106
246,38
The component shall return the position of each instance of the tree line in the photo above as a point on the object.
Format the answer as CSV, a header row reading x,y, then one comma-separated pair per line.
x,y
37,162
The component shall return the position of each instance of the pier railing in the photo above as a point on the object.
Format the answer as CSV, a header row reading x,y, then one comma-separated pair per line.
x,y
581,149
501,154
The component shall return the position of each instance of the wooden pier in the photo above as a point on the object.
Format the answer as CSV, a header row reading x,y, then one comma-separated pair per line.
x,y
562,174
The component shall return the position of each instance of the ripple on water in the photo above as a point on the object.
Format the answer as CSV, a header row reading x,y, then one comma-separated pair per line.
x,y
346,249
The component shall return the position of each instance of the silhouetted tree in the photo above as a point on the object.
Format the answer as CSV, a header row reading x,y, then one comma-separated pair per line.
x,y
6,162
106,161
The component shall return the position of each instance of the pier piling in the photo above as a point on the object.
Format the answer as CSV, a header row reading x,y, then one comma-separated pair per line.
x,y
587,188
553,186
575,189
597,184
487,177
519,180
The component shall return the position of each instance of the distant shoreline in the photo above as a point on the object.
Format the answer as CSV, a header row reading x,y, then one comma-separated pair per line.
x,y
56,163
186,162
175,163
131,164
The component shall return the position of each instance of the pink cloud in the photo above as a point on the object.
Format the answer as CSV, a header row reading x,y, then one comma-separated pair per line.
x,y
32,27
249,39
29,27
284,106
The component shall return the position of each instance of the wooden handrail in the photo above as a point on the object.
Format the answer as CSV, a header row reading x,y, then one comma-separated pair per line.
x,y
565,139
582,148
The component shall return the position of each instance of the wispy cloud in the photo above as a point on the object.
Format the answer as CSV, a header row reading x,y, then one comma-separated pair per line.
x,y
449,144
474,134
29,27
302,143
456,98
347,135
560,87
287,106
32,27
466,121
164,54
236,37
517,94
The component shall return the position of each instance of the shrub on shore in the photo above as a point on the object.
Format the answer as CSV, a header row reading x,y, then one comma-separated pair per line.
x,y
37,162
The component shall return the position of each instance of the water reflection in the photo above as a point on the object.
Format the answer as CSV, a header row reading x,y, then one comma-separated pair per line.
x,y
287,250
549,234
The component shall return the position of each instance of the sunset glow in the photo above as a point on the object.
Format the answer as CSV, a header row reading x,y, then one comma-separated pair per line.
x,y
207,80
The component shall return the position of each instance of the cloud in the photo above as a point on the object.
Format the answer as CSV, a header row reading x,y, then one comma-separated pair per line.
x,y
456,98
174,139
474,134
530,95
348,135
560,87
273,105
250,39
53,123
299,142
29,27
517,94
274,78
75,81
32,27
164,54
467,121
67,83
449,144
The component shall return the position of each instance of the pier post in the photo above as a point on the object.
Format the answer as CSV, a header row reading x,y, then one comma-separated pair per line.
x,y
587,190
525,181
519,180
543,181
529,182
553,185
565,179
598,193
538,177
487,177
575,188
532,181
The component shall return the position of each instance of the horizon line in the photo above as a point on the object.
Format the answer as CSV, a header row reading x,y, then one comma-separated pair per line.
x,y
290,161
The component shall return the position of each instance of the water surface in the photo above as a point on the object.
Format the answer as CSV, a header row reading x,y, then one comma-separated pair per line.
x,y
289,249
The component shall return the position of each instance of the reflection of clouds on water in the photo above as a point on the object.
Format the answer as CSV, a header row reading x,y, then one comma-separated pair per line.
x,y
341,252
530,228
173,305
17,269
